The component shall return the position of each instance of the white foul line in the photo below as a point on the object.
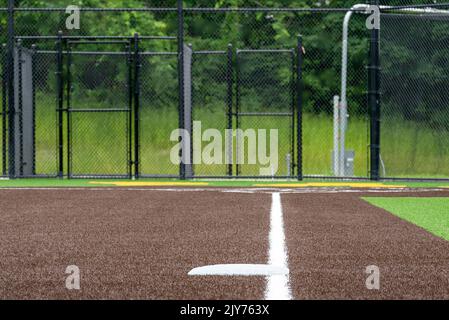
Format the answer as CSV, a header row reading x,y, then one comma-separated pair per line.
x,y
278,285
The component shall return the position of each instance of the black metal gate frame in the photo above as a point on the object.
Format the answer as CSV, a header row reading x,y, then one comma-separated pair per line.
x,y
133,60
291,115
229,54
71,109
233,107
64,51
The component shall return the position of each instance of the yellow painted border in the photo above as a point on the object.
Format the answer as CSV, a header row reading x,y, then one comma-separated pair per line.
x,y
150,184
332,185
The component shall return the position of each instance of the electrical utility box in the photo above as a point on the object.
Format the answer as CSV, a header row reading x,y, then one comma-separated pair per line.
x,y
349,164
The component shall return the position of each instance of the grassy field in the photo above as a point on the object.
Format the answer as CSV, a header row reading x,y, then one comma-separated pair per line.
x,y
412,150
99,142
432,214
103,136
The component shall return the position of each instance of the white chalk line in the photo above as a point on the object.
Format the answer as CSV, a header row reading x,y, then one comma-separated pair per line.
x,y
278,287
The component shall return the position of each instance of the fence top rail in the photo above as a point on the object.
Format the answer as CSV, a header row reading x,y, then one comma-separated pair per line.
x,y
150,53
416,6
86,9
226,9
87,53
402,15
208,52
75,42
95,37
265,51
203,9
143,53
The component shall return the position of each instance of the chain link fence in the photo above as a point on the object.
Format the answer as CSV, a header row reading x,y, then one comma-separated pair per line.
x,y
212,94
106,104
267,78
415,99
45,102
158,113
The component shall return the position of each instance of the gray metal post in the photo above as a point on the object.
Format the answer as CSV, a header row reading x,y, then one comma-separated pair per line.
x,y
188,112
182,168
24,104
230,116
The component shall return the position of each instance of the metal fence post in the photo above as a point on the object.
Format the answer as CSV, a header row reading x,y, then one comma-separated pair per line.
x,y
374,101
299,89
11,95
4,111
68,111
237,115
137,65
60,88
19,108
291,157
182,168
230,80
34,65
129,64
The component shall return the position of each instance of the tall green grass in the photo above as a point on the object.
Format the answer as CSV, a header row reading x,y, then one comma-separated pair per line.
x,y
318,144
99,143
414,150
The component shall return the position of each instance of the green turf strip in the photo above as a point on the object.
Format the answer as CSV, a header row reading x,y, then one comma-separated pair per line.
x,y
52,183
432,214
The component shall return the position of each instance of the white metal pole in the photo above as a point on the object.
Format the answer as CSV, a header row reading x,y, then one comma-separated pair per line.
x,y
336,154
344,81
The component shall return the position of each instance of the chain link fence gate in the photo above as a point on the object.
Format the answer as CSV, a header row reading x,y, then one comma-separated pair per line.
x,y
224,85
265,109
98,122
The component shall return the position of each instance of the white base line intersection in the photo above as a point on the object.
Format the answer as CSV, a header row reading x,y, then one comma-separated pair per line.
x,y
276,271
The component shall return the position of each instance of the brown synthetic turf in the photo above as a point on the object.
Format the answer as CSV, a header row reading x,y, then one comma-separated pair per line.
x,y
332,238
140,244
129,244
